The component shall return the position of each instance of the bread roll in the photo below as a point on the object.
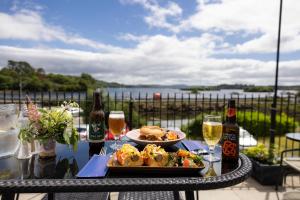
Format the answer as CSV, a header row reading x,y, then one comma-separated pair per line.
x,y
155,156
128,155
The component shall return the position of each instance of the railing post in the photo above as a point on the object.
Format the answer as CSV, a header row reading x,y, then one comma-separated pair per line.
x,y
139,107
4,96
274,104
86,107
20,98
49,99
79,104
130,113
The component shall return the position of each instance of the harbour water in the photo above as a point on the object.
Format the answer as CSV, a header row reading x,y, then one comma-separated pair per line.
x,y
178,93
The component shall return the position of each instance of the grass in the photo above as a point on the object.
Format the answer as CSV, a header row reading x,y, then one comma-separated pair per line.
x,y
281,143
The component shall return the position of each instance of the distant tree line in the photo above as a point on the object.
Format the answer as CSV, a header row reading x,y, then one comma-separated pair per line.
x,y
20,74
259,89
245,87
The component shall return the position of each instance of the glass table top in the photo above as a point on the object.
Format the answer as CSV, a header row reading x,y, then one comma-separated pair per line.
x,y
68,163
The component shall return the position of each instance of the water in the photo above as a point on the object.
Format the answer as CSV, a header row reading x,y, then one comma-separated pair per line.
x,y
148,93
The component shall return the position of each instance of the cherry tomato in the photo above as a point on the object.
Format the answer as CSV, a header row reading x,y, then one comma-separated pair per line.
x,y
186,163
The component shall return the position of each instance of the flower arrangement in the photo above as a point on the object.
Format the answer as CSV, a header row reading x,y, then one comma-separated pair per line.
x,y
50,124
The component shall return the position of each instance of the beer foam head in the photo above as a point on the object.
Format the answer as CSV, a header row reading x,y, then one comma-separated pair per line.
x,y
213,123
116,115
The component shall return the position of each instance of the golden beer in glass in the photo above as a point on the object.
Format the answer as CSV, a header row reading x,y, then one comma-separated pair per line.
x,y
116,123
212,133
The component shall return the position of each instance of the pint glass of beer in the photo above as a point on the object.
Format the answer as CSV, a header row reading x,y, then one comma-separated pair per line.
x,y
116,123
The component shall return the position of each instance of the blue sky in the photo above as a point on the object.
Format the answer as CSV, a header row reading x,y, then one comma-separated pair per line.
x,y
194,42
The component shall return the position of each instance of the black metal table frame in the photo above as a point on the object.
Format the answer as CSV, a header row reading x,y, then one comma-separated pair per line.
x,y
8,188
291,136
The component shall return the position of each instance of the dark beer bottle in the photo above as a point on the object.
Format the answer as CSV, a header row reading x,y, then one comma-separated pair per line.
x,y
97,120
230,142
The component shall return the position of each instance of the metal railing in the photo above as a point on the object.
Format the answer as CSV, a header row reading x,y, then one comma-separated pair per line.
x,y
178,110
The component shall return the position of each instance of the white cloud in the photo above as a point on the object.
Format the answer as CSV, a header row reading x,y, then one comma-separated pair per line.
x,y
29,25
145,65
131,37
161,59
159,15
232,17
251,17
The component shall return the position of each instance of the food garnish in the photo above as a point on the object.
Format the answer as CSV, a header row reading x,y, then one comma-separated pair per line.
x,y
188,159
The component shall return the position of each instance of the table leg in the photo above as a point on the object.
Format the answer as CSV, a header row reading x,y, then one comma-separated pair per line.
x,y
8,196
50,196
189,195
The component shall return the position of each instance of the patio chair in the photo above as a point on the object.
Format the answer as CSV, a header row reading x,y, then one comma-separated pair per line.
x,y
289,165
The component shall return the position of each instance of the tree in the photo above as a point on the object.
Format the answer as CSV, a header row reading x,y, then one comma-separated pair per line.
x,y
6,82
88,78
20,67
21,75
41,71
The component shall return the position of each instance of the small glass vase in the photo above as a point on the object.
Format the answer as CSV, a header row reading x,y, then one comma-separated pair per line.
x,y
35,147
47,149
24,151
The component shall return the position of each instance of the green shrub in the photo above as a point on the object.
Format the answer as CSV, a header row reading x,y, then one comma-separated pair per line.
x,y
261,154
260,124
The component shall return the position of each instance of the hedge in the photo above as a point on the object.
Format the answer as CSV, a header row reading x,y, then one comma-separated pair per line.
x,y
259,126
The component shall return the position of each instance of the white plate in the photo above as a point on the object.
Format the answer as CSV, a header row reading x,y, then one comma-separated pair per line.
x,y
135,134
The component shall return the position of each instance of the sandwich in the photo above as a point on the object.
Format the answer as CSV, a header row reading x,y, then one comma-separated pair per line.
x,y
155,133
151,133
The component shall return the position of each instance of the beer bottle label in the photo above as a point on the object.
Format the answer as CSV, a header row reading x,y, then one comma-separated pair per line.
x,y
230,142
97,131
231,112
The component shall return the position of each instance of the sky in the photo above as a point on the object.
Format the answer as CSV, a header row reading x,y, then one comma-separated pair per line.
x,y
192,42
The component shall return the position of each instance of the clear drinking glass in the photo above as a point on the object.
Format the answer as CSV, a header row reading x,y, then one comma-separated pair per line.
x,y
116,123
212,133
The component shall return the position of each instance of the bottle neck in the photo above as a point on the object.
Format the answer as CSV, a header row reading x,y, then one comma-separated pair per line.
x,y
231,115
97,102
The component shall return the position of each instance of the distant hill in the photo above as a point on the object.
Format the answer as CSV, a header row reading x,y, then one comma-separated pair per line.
x,y
246,88
20,73
17,74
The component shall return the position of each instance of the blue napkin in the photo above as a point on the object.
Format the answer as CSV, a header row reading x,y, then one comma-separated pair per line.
x,y
193,145
95,167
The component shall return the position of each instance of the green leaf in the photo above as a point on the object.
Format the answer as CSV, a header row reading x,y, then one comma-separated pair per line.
x,y
74,167
66,137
